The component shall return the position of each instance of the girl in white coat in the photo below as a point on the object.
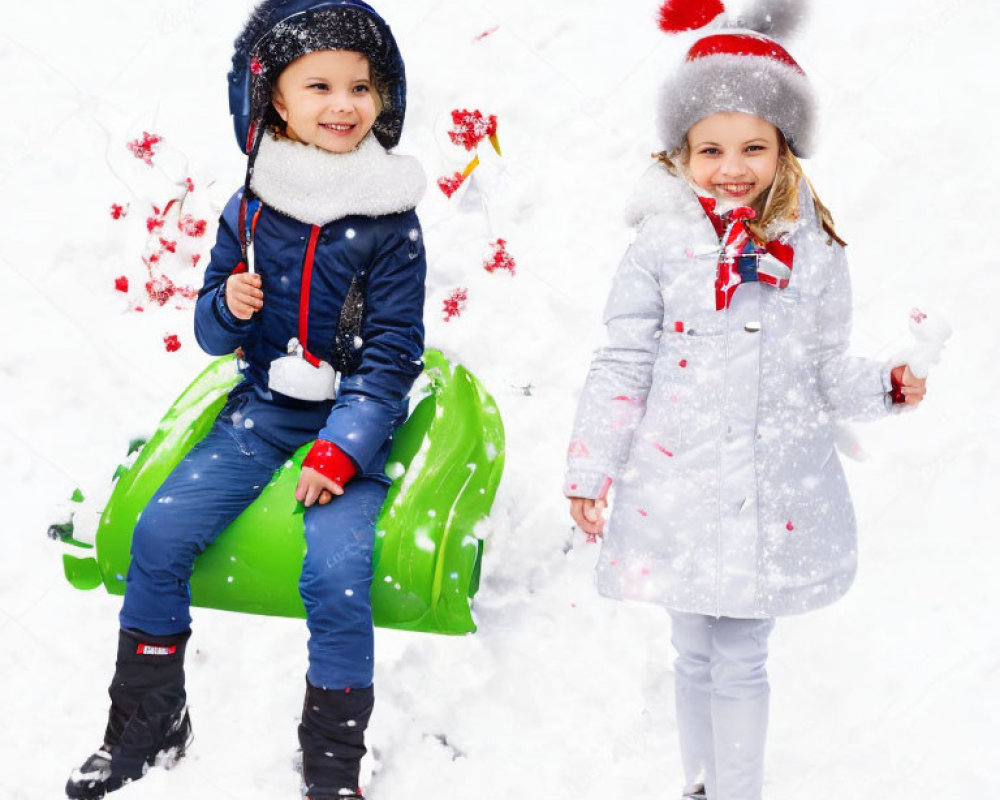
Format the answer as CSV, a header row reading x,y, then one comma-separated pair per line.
x,y
713,407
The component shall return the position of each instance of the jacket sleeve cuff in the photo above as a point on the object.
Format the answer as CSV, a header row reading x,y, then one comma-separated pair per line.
x,y
330,461
580,483
224,315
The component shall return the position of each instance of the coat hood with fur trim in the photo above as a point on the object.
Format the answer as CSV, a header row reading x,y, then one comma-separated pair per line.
x,y
315,186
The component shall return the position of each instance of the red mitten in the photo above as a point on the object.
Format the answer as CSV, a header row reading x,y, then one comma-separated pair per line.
x,y
330,461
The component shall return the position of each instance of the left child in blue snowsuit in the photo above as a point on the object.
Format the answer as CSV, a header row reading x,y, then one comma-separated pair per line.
x,y
317,279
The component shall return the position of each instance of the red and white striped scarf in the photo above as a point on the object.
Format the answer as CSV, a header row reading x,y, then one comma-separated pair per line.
x,y
774,259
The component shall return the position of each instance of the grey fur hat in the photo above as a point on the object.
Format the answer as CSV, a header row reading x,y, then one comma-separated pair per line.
x,y
738,69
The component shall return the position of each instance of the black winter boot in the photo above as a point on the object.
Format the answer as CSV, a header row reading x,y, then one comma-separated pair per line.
x,y
148,717
332,735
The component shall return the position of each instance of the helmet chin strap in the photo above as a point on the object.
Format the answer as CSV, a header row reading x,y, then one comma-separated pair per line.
x,y
254,137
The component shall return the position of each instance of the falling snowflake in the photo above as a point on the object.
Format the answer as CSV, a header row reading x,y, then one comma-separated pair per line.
x,y
471,127
454,303
143,148
501,259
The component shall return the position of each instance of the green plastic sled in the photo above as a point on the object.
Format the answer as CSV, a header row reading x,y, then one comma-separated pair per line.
x,y
446,463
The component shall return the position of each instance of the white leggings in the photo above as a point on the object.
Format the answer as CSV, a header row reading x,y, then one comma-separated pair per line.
x,y
722,699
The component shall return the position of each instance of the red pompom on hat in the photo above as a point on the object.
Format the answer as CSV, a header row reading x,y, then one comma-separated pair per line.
x,y
737,67
677,16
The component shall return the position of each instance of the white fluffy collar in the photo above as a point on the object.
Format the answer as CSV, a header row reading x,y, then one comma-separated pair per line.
x,y
659,191
316,187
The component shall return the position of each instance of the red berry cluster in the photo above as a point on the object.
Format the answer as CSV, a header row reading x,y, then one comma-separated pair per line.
x,y
171,343
143,148
450,185
501,259
454,303
471,127
190,226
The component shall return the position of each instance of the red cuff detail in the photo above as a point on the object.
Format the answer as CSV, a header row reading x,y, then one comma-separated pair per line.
x,y
330,461
239,268
896,378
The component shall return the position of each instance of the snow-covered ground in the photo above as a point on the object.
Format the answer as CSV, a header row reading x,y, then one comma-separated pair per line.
x,y
892,693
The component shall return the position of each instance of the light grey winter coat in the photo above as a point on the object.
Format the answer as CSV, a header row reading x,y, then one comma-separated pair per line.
x,y
718,427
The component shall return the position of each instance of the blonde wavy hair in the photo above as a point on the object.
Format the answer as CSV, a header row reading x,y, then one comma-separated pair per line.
x,y
777,207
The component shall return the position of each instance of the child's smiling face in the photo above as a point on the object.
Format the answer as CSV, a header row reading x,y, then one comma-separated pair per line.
x,y
327,98
733,156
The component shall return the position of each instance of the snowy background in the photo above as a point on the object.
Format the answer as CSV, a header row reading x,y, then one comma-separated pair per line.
x,y
894,692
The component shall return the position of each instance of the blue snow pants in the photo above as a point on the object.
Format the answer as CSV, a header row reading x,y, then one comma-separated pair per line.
x,y
219,478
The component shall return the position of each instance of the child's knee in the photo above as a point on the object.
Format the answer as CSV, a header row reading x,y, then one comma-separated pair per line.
x,y
739,661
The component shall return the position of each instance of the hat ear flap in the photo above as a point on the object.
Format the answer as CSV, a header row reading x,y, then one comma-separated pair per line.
x,y
677,16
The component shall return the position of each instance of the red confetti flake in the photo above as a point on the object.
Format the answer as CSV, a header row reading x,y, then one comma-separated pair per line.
x,y
195,259
189,183
613,562
454,303
682,363
450,185
789,526
143,148
486,33
664,450
471,127
501,259
154,223
160,289
679,326
118,212
635,401
170,247
155,257
255,66
642,512
121,284
917,315
190,226
591,538
578,449
171,343
573,487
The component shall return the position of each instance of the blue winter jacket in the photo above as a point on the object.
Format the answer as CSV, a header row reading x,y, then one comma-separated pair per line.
x,y
387,252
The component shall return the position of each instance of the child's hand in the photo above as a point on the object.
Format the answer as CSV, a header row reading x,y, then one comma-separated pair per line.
x,y
588,514
315,487
243,294
912,388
